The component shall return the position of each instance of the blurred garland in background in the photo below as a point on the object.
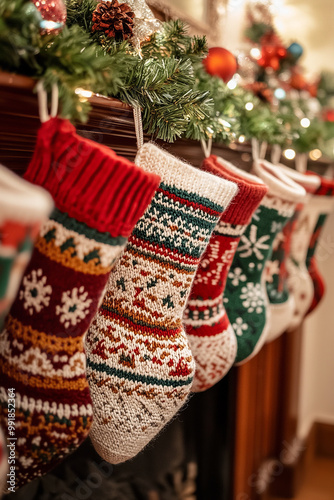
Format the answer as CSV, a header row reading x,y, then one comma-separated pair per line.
x,y
120,50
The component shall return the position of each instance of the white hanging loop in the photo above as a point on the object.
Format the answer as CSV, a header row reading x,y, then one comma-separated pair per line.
x,y
206,147
301,162
54,100
255,149
43,101
276,152
263,150
138,126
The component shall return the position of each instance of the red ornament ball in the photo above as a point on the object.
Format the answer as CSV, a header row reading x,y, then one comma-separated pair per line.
x,y
329,115
297,81
53,14
220,62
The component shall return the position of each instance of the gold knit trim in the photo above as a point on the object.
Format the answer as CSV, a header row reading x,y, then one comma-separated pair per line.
x,y
41,382
44,341
65,258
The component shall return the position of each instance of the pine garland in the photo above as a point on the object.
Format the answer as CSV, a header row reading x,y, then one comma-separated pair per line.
x,y
168,80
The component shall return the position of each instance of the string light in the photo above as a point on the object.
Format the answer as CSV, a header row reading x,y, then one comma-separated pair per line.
x,y
255,53
232,84
249,106
242,139
315,154
305,122
83,93
280,93
289,154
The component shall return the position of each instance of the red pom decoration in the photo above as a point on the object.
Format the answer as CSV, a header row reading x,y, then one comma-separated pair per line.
x,y
53,14
220,62
272,51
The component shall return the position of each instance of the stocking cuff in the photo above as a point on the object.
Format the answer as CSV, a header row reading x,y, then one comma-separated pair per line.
x,y
21,201
90,182
174,172
251,190
326,187
309,182
279,184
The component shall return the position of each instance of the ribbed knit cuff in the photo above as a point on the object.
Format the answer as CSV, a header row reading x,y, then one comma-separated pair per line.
x,y
326,187
53,155
309,182
279,184
90,182
22,201
251,190
174,172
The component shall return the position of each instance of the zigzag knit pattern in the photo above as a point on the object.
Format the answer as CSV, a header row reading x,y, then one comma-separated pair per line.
x,y
139,365
41,347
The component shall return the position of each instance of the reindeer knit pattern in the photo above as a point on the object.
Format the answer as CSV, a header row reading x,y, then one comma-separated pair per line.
x,y
41,347
139,365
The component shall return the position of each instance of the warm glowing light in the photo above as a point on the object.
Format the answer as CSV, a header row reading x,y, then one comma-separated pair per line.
x,y
315,154
83,93
242,138
249,106
255,53
280,93
232,84
305,122
289,154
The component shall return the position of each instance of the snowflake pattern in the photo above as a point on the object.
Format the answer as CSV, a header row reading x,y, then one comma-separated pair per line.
x,y
257,214
252,297
239,327
236,276
36,293
253,245
276,227
75,306
272,268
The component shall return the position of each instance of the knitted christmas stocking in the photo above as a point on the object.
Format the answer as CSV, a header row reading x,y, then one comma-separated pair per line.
x,y
282,303
139,365
211,337
300,282
247,303
98,196
23,208
326,189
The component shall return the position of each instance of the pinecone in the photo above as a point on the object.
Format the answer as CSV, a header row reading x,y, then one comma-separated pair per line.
x,y
114,19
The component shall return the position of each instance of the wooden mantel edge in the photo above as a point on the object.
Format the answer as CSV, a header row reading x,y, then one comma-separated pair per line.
x,y
27,83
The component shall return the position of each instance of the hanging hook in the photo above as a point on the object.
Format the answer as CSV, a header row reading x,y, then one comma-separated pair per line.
x,y
276,152
206,147
43,101
138,126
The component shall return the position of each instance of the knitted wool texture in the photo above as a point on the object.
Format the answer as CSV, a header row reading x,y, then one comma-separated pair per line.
x,y
326,188
282,303
139,365
211,337
23,208
300,282
98,198
247,302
